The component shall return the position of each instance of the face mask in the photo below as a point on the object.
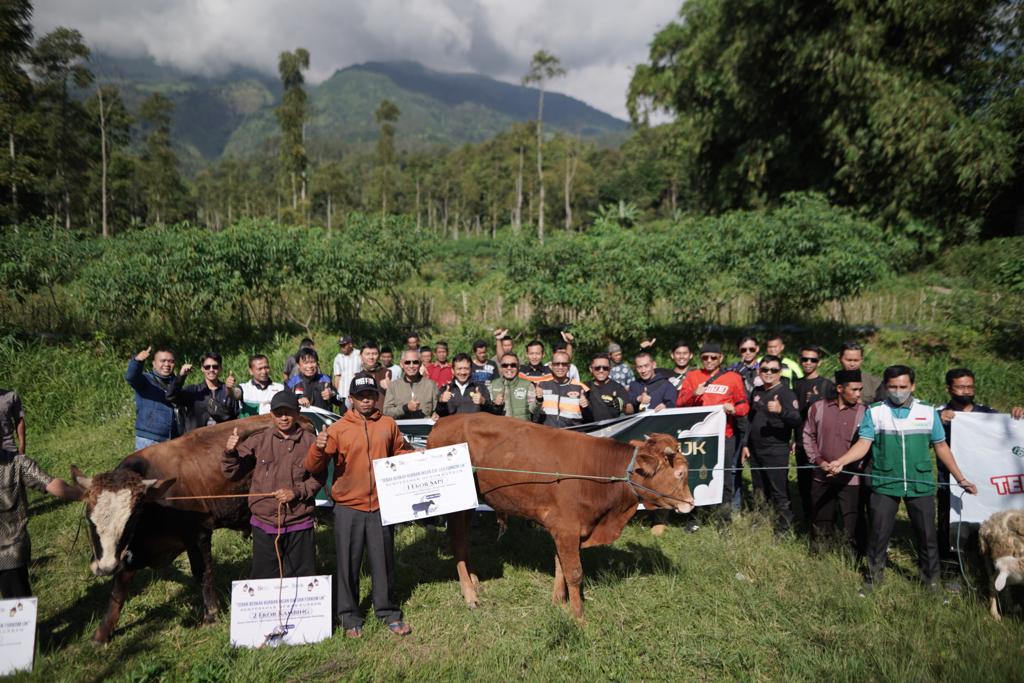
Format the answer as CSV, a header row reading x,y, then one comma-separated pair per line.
x,y
899,397
961,400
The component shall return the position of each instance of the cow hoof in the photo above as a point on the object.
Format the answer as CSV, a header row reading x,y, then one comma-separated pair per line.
x,y
99,641
472,604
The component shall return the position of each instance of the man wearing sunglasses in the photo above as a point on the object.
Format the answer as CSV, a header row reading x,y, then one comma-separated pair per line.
x,y
562,400
746,367
414,395
607,397
208,402
710,385
809,389
512,395
774,414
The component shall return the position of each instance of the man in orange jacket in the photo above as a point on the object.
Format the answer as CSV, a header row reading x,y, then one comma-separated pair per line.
x,y
362,435
713,386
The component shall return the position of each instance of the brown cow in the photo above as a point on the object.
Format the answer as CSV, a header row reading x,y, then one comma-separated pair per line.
x,y
577,512
132,525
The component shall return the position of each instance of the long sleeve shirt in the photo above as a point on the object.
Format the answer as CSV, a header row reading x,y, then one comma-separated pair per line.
x,y
726,387
203,406
16,472
400,393
769,432
830,429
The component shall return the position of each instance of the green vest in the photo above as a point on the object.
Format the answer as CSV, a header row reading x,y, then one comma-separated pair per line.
x,y
900,451
517,392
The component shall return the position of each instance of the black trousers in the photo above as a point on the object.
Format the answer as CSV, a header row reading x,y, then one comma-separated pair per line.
x,y
772,485
851,501
921,510
729,484
946,549
14,583
804,477
298,553
355,531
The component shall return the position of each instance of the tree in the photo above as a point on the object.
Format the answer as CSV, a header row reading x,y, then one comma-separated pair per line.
x,y
15,86
386,115
58,63
893,107
291,116
165,192
543,67
107,108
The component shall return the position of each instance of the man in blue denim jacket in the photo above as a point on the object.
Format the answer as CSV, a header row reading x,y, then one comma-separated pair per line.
x,y
155,417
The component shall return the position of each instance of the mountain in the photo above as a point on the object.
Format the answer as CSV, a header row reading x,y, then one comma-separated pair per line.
x,y
232,114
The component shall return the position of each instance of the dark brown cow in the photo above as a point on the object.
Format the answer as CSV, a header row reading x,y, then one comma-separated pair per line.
x,y
132,524
577,512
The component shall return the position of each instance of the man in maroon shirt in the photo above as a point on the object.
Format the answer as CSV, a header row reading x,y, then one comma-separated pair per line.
x,y
830,429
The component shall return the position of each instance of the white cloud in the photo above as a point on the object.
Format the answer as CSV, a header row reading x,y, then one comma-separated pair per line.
x,y
598,41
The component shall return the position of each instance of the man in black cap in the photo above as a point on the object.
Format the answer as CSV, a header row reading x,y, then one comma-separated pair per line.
x,y
285,518
831,427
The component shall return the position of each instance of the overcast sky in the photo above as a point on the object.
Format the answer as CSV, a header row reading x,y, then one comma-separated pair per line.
x,y
598,41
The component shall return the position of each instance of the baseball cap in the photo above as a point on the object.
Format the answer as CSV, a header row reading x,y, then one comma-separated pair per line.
x,y
344,339
614,348
284,399
711,347
364,381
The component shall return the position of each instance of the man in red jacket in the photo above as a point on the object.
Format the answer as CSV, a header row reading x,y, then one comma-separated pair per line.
x,y
712,386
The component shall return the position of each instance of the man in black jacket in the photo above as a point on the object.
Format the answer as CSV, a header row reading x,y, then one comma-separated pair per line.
x,y
463,395
311,387
774,413
208,402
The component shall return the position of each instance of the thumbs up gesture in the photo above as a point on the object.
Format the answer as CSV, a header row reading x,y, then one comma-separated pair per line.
x,y
142,355
326,393
538,391
446,395
321,440
774,405
476,396
584,401
413,405
232,443
230,381
645,398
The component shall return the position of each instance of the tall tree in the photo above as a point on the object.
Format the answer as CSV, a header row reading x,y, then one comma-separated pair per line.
x,y
165,192
543,67
892,106
387,114
58,61
107,109
15,87
291,116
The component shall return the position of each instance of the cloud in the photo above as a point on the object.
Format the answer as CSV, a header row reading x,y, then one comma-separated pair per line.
x,y
597,41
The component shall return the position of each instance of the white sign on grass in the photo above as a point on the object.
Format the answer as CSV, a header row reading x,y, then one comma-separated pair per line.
x,y
271,612
425,484
990,452
17,634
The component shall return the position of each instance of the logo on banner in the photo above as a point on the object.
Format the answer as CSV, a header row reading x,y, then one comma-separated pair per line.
x,y
1018,451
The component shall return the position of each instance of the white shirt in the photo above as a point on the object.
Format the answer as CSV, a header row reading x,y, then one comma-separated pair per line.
x,y
253,396
346,368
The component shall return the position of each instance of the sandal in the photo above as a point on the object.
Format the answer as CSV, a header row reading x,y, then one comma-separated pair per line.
x,y
354,632
400,628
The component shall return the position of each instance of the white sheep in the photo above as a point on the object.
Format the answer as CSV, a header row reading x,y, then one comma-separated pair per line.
x,y
1002,542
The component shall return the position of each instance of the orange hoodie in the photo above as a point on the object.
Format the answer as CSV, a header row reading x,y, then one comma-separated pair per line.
x,y
353,441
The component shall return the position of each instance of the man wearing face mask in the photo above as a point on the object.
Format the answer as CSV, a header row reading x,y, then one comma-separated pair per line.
x,y
897,432
960,385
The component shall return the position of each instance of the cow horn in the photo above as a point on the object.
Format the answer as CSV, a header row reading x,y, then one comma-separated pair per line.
x,y
80,479
669,451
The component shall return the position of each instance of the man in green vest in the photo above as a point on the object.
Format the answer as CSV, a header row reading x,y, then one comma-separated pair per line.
x,y
897,432
512,395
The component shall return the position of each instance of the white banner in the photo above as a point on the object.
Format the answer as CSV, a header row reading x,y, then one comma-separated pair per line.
x,y
271,612
990,452
17,634
425,484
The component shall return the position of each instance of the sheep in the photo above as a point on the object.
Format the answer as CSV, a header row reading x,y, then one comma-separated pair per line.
x,y
1001,537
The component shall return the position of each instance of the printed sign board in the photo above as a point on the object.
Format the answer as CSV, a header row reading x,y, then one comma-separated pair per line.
x,y
425,484
989,450
271,612
17,634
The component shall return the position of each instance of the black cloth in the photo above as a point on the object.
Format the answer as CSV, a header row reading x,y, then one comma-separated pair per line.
x,y
14,583
724,511
200,405
462,400
313,387
947,549
810,391
852,504
298,552
771,484
606,401
770,433
354,531
921,510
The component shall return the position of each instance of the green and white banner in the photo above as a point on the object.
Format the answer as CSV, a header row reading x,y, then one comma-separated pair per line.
x,y
701,436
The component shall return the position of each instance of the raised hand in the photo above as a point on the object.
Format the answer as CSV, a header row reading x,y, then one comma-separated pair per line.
x,y
446,395
232,443
774,405
567,337
645,398
185,369
538,392
648,343
413,405
142,355
321,440
326,393
584,401
476,397
230,381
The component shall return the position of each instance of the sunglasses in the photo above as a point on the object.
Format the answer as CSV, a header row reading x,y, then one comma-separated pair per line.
x,y
410,362
809,359
510,365
559,365
709,356
771,371
600,368
211,367
748,349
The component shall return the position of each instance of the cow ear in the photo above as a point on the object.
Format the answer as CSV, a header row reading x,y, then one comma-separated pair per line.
x,y
84,482
647,464
156,488
636,443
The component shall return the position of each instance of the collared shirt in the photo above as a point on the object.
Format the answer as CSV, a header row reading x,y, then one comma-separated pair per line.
x,y
831,428
867,426
16,472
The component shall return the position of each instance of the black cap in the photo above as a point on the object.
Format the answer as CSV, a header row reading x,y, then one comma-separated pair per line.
x,y
364,381
844,376
284,399
344,339
711,347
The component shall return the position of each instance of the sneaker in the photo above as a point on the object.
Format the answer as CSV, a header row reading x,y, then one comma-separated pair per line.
x,y
866,589
693,527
